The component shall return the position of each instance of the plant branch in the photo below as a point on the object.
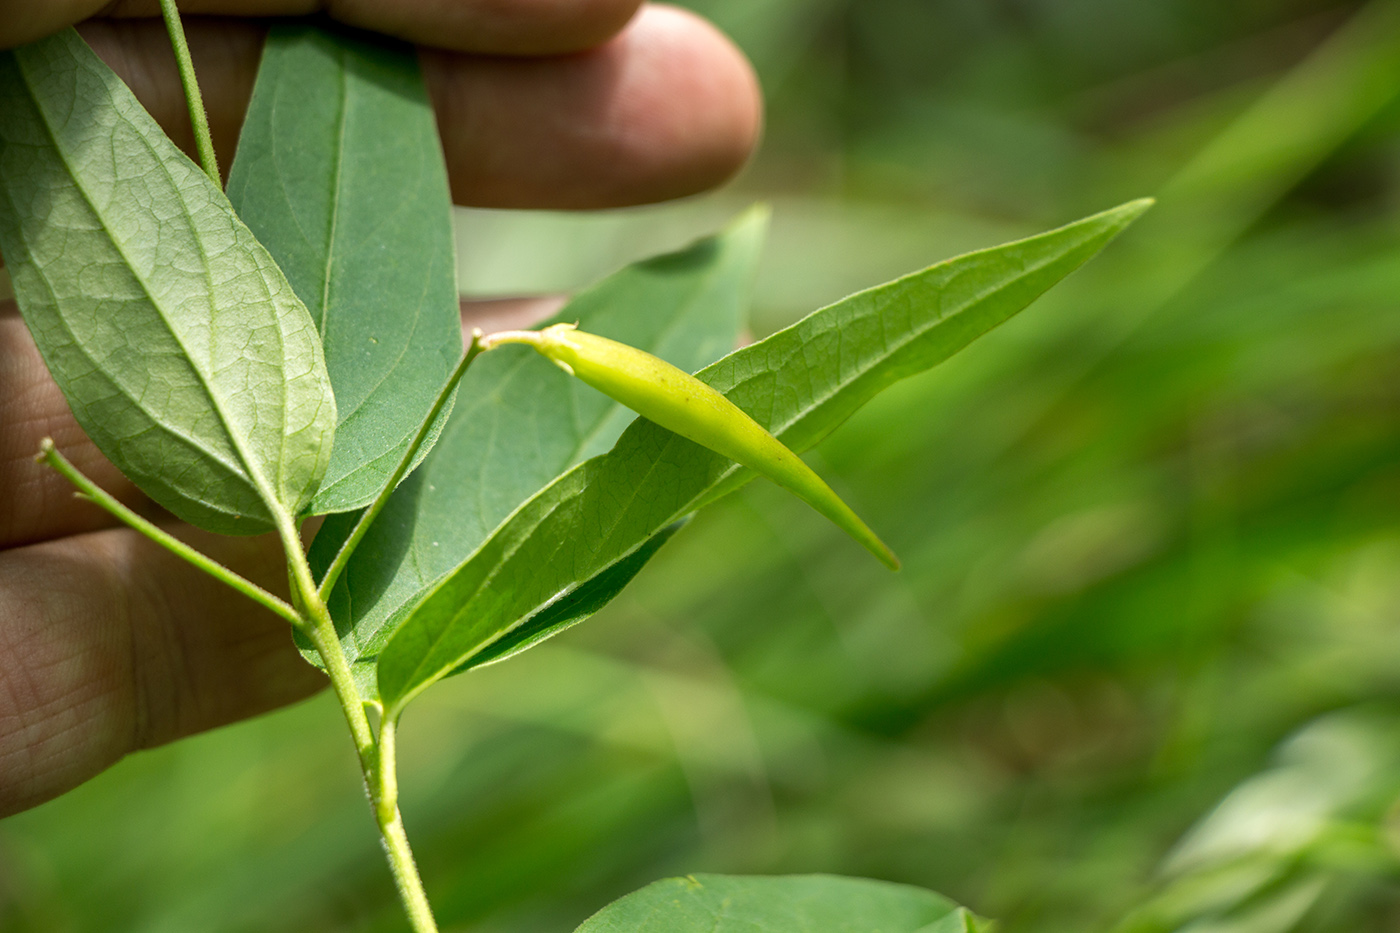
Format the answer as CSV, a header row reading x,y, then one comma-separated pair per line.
x,y
367,518
90,491
376,756
377,762
320,628
199,119
386,810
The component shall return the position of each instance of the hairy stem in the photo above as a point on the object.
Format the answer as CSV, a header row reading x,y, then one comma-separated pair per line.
x,y
90,491
367,518
385,793
199,119
321,630
311,615
377,761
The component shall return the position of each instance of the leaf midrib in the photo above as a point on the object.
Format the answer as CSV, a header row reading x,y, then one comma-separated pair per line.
x,y
336,180
254,475
82,348
890,349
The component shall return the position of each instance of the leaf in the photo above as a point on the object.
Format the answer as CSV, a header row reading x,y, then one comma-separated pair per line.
x,y
178,343
520,422
573,607
961,920
799,383
340,173
783,904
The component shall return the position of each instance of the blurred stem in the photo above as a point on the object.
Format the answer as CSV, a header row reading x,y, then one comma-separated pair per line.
x,y
377,761
199,119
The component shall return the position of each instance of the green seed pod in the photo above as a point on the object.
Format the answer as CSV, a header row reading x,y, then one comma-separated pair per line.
x,y
679,402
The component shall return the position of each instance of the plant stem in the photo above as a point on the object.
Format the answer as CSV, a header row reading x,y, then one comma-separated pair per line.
x,y
199,119
376,756
386,810
367,518
90,491
377,762
320,628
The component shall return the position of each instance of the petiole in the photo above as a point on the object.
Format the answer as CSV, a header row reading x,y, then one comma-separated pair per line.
x,y
90,491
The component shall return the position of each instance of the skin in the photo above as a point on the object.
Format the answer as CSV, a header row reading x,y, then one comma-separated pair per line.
x,y
107,643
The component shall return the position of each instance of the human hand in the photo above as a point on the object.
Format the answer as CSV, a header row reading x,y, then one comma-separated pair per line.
x,y
107,643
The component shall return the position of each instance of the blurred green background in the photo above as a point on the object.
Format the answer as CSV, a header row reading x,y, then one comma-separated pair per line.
x,y
1141,671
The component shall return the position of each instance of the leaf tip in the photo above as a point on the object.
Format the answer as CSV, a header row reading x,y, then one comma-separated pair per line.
x,y
890,559
1132,210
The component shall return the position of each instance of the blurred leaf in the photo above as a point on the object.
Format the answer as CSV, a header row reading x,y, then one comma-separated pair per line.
x,y
180,347
805,903
520,422
1263,857
961,920
801,383
339,171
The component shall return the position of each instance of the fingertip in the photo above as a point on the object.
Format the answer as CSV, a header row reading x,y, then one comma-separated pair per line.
x,y
719,126
668,108
494,27
22,21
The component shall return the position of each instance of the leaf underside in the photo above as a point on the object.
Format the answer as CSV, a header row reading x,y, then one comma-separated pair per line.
x,y
574,607
800,384
179,345
782,904
340,173
520,422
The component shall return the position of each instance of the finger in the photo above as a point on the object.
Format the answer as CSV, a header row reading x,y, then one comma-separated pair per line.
x,y
666,109
109,644
494,27
35,502
493,314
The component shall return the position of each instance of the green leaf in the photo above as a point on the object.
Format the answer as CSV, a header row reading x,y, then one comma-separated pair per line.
x,y
340,173
178,343
573,607
961,920
784,904
520,422
799,383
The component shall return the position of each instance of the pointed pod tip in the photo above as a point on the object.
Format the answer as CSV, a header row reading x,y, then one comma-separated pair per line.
x,y
888,558
867,539
757,216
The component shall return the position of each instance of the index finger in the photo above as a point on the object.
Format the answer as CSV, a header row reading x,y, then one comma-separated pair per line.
x,y
493,27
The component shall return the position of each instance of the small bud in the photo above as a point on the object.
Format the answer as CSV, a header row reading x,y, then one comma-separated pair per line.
x,y
677,401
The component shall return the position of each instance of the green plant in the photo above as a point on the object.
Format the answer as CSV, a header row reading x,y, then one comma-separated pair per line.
x,y
213,347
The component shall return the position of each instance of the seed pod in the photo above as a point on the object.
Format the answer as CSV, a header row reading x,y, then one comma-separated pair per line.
x,y
679,402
